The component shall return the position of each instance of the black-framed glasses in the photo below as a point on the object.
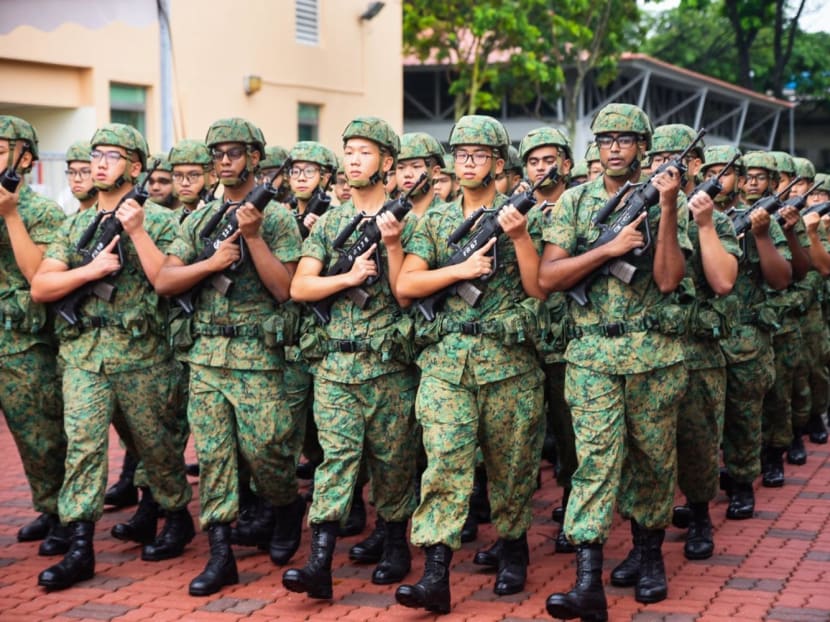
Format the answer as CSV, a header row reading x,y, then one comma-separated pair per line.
x,y
112,157
234,153
191,177
84,173
760,177
478,157
604,141
305,171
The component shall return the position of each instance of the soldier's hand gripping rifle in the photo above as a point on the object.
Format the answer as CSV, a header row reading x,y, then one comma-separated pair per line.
x,y
641,198
770,204
319,202
213,236
713,187
487,229
68,306
819,208
369,235
10,180
797,202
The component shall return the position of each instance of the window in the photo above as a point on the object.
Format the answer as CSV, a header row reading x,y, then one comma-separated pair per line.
x,y
308,122
306,21
128,104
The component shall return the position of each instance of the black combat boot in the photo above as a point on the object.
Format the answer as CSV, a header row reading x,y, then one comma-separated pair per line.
x,y
479,499
797,453
305,470
221,567
288,530
315,577
396,560
772,467
56,543
817,430
681,516
699,542
38,529
176,534
627,573
512,572
432,591
490,557
255,525
741,502
587,599
123,493
79,562
562,544
356,521
141,527
469,530
370,550
651,584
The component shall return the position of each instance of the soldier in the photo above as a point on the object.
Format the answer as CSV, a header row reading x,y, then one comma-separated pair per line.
x,y
579,173
364,384
237,401
342,190
79,173
594,163
274,158
512,173
625,373
480,378
312,165
191,167
665,137
445,182
29,381
114,359
160,184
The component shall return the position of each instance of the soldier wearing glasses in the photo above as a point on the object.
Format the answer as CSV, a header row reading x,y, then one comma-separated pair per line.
x,y
192,169
79,173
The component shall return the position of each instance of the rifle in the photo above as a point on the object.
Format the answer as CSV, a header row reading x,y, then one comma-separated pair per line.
x,y
319,202
770,204
797,202
259,196
68,306
370,234
10,180
819,208
488,228
208,194
643,196
713,187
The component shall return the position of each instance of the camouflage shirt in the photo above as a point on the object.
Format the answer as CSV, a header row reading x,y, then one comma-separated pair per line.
x,y
22,322
249,309
489,356
610,301
133,332
373,325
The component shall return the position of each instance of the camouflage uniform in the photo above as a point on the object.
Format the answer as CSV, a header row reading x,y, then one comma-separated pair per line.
x,y
364,388
119,353
29,381
236,395
482,387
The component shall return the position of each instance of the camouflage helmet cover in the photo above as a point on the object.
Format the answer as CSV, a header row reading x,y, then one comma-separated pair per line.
x,y
476,129
541,137
14,128
592,153
421,145
375,129
623,118
121,135
824,182
164,163
804,168
312,151
189,151
235,130
514,162
274,157
784,162
79,151
674,138
580,169
722,154
760,159
448,168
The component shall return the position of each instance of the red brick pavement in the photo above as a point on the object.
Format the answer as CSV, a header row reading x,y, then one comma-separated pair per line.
x,y
775,567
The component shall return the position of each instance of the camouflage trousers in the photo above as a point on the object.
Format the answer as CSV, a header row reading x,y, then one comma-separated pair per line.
x,y
90,400
625,428
372,419
559,420
505,420
31,401
777,420
699,428
299,393
746,385
811,382
245,411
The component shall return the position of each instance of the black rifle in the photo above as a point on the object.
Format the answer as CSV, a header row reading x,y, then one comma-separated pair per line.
x,y
713,187
208,193
488,229
797,202
68,306
819,208
642,197
259,196
369,235
319,202
770,204
10,180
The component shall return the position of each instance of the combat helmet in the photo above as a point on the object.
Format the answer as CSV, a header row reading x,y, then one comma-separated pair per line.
x,y
421,145
804,168
722,155
784,162
317,153
190,151
481,130
674,138
127,137
13,129
237,130
275,157
623,118
379,132
79,152
543,137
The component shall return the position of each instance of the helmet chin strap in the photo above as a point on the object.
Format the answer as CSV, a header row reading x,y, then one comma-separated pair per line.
x,y
629,170
89,194
486,180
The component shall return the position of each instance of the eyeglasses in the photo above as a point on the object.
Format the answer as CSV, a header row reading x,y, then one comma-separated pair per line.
x,y
234,153
192,177
84,173
112,157
478,157
760,177
604,141
307,172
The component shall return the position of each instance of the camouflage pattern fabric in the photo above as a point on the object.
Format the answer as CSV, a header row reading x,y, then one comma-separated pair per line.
x,y
811,382
558,416
777,420
504,419
246,409
91,398
625,428
371,420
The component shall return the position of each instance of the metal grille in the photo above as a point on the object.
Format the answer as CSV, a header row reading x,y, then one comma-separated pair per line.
x,y
306,21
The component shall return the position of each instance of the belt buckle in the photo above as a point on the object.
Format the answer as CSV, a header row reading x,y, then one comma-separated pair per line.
x,y
344,345
614,329
470,328
229,331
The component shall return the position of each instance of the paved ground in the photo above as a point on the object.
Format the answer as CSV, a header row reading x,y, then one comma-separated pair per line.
x,y
774,567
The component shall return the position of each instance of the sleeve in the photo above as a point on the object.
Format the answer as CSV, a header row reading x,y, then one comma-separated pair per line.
x,y
47,223
726,234
163,228
281,233
183,245
317,243
421,243
534,228
778,238
559,228
61,247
